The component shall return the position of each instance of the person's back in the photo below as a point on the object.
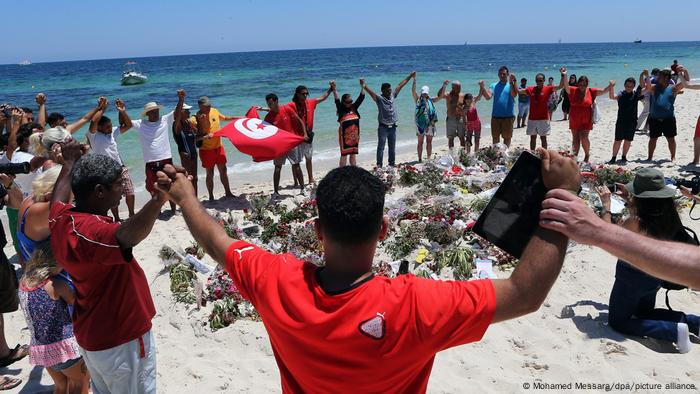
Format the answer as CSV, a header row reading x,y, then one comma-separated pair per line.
x,y
398,321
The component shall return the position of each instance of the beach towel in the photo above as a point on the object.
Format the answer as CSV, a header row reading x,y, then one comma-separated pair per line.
x,y
425,113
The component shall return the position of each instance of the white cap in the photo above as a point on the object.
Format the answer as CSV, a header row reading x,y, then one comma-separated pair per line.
x,y
425,90
185,106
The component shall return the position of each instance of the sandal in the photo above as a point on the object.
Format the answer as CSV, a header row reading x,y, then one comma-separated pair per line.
x,y
8,383
16,354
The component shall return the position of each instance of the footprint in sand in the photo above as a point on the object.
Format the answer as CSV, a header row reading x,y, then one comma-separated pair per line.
x,y
535,366
608,348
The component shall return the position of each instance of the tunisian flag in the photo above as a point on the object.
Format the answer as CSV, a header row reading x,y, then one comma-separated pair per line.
x,y
261,140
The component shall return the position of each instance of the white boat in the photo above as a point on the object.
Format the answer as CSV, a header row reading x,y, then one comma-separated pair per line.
x,y
25,62
132,76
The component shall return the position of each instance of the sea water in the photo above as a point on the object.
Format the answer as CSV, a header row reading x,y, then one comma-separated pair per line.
x,y
236,81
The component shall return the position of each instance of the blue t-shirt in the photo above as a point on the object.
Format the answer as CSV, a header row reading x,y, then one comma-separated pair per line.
x,y
662,103
503,102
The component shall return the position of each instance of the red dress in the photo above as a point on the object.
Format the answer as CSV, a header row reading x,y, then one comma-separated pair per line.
x,y
581,112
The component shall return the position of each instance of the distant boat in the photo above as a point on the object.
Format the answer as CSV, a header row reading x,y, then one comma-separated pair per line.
x,y
637,41
559,42
25,62
132,76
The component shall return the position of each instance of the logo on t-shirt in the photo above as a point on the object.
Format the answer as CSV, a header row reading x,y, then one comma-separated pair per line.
x,y
374,327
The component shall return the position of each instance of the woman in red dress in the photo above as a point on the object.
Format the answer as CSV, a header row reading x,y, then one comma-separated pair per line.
x,y
349,130
582,99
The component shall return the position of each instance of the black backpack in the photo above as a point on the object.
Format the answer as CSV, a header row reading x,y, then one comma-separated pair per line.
x,y
686,236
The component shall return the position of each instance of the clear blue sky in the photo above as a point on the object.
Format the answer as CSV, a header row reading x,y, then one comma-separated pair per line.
x,y
49,30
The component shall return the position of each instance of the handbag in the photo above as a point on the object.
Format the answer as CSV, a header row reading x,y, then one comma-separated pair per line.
x,y
595,116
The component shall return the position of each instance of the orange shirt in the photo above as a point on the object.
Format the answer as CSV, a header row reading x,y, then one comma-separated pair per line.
x,y
215,119
379,336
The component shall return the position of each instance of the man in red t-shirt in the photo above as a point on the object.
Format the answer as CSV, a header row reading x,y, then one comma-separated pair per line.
x,y
305,108
113,305
285,118
538,120
339,328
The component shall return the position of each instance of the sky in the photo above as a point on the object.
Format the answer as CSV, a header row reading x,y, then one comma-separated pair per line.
x,y
79,30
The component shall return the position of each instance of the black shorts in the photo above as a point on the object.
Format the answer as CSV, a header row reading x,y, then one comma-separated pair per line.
x,y
665,127
625,131
9,301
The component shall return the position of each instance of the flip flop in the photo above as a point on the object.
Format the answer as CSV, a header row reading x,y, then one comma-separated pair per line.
x,y
16,354
8,383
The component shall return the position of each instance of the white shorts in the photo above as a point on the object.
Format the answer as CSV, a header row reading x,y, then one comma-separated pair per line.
x,y
294,156
127,368
538,127
523,109
306,150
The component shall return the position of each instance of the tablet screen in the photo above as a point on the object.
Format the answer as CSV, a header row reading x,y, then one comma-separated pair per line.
x,y
512,216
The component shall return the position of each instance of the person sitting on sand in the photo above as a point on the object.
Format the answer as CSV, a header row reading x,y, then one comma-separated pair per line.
x,y
426,118
627,107
388,118
185,136
503,92
284,116
662,117
113,304
633,296
349,129
539,97
46,292
582,99
102,138
212,151
385,332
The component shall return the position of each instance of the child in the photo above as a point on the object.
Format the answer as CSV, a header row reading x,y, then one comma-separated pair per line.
x,y
45,293
472,123
626,124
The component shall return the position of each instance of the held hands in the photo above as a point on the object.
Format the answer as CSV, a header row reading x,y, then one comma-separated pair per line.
x,y
362,82
446,82
40,99
332,84
174,184
69,151
481,84
559,172
102,103
512,78
562,70
120,105
181,94
412,74
612,83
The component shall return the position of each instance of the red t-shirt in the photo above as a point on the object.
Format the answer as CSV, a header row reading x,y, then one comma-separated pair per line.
x,y
307,117
380,336
283,119
539,102
577,100
113,304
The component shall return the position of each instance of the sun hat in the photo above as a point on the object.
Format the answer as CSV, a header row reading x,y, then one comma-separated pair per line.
x,y
649,183
425,90
185,106
204,100
150,106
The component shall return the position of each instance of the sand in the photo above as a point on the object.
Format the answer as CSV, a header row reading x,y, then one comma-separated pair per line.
x,y
566,341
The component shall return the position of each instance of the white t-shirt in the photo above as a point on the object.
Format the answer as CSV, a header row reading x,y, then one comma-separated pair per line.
x,y
106,144
154,137
24,181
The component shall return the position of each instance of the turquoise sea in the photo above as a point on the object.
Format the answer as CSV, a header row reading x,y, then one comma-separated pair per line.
x,y
235,81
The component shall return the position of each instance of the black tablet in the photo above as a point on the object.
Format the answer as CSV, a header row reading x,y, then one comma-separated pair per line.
x,y
512,216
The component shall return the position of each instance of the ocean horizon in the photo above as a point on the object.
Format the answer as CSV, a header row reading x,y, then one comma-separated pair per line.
x,y
237,80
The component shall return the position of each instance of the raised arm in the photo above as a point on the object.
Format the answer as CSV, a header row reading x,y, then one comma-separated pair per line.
x,y
15,121
512,80
613,95
441,92
528,285
335,94
600,92
137,227
96,117
413,90
324,96
124,119
369,90
177,119
403,83
69,153
647,82
485,93
206,231
75,126
41,102
563,80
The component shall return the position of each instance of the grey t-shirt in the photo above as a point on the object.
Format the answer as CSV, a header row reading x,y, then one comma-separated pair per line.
x,y
386,110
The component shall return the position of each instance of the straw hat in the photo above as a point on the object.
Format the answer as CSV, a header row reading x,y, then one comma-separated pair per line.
x,y
150,107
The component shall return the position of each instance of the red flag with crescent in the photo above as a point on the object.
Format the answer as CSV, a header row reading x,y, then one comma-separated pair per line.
x,y
257,138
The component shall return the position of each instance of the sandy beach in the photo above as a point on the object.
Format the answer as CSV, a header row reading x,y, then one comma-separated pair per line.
x,y
567,341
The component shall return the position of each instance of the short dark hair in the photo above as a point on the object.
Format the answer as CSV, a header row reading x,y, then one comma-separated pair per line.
x,y
386,85
630,80
665,73
468,96
583,78
91,170
25,131
350,203
272,96
523,79
654,71
27,109
103,121
54,118
503,68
